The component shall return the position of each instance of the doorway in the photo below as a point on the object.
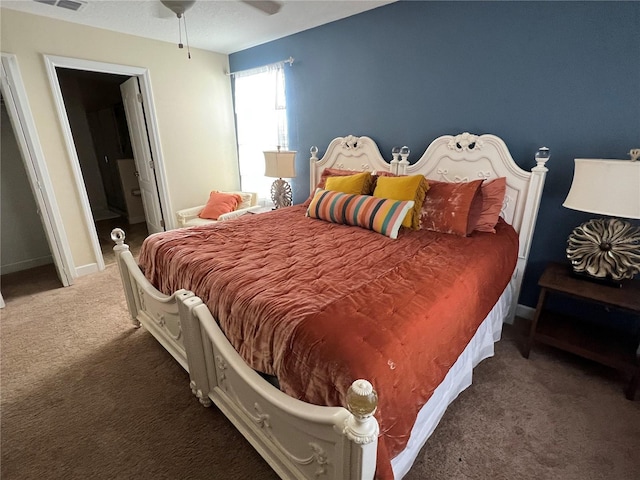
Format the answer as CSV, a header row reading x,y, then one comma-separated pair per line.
x,y
35,245
100,131
144,140
25,251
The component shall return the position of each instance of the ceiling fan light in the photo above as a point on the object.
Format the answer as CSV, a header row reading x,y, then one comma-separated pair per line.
x,y
178,6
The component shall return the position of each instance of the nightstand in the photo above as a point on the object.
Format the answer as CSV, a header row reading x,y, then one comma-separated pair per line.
x,y
596,342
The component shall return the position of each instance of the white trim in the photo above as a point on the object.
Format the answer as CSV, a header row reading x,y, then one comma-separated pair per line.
x,y
19,111
525,312
25,264
87,269
53,61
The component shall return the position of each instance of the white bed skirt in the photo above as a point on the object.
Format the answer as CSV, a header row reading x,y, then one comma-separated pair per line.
x,y
457,380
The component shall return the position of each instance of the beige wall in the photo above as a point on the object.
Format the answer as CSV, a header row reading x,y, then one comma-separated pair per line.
x,y
22,238
192,99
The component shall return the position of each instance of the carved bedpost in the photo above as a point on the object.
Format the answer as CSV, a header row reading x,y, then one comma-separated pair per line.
x,y
118,236
395,153
312,168
362,429
532,204
404,163
194,345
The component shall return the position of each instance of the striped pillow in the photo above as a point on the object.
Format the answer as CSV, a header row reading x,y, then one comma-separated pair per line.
x,y
381,215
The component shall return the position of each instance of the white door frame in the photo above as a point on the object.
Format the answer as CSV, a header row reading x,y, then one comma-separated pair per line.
x,y
53,61
27,138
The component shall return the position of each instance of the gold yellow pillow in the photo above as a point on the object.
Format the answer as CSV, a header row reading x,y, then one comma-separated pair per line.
x,y
357,184
412,187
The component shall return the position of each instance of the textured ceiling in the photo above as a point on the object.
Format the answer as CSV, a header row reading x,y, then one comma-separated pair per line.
x,y
215,25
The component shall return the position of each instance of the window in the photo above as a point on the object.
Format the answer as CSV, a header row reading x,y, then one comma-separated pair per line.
x,y
261,121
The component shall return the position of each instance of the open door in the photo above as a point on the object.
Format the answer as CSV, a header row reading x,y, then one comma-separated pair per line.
x,y
18,111
132,99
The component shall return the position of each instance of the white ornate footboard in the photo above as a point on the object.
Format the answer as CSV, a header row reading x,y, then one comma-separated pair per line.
x,y
156,311
298,440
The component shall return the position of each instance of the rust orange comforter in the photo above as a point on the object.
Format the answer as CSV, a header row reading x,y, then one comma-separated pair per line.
x,y
320,305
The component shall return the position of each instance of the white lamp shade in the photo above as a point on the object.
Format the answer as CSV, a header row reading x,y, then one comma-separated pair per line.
x,y
280,164
605,187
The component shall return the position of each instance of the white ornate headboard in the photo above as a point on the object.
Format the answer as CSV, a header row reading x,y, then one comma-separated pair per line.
x,y
458,158
347,153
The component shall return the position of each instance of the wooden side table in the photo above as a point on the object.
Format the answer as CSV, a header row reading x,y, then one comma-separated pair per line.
x,y
595,342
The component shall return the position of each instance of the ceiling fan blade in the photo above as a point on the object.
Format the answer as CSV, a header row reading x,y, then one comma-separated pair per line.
x,y
267,6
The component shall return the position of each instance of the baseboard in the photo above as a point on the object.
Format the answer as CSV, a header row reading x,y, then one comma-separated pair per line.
x,y
525,312
86,269
25,264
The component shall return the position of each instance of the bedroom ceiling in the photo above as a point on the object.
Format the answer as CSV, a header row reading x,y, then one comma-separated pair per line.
x,y
223,26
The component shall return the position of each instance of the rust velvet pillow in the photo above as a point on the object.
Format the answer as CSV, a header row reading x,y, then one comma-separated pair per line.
x,y
447,207
220,203
337,172
487,206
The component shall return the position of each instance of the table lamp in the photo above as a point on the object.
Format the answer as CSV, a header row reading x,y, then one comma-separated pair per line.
x,y
605,249
279,164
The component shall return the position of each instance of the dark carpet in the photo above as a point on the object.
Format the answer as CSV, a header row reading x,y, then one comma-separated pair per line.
x,y
86,396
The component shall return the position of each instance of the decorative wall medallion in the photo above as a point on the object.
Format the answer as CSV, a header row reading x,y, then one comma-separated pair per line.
x,y
465,142
605,248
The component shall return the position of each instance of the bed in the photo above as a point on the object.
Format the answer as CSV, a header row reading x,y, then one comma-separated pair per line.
x,y
369,310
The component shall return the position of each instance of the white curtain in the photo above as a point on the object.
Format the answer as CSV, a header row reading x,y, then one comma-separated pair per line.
x,y
261,118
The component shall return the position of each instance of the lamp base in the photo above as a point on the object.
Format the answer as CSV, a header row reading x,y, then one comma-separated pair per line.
x,y
281,193
605,249
608,282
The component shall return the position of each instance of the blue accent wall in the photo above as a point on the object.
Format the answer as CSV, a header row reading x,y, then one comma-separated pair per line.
x,y
560,74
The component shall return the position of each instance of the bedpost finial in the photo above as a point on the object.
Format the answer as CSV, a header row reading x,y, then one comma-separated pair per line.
x,y
117,235
403,163
542,156
314,152
362,401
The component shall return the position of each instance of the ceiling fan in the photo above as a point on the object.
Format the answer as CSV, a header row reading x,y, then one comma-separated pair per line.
x,y
179,7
